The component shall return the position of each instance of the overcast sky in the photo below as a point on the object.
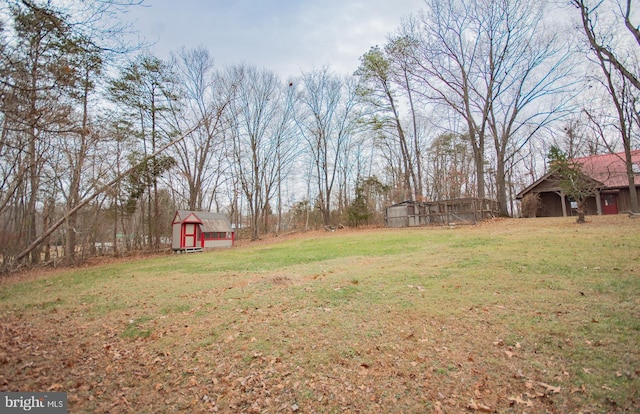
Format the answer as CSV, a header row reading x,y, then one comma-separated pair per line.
x,y
286,36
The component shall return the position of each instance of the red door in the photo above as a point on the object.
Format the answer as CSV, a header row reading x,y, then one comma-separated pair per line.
x,y
609,204
189,235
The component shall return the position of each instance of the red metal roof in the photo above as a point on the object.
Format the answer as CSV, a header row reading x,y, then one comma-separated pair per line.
x,y
610,169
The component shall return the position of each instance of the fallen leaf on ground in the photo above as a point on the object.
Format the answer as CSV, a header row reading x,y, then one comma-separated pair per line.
x,y
550,388
518,400
536,395
478,407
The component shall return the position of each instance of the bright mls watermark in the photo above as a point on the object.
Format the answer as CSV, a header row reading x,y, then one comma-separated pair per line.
x,y
33,402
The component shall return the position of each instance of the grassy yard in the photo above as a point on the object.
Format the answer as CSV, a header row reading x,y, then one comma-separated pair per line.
x,y
537,315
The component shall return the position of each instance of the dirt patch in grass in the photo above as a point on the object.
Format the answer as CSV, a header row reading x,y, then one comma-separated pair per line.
x,y
507,316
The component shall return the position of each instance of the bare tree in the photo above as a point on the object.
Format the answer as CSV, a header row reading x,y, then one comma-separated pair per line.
x,y
202,156
287,146
578,141
531,69
489,62
444,42
377,89
603,44
328,118
398,50
258,119
617,58
451,167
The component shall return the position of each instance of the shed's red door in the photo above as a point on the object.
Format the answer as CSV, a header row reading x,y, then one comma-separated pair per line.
x,y
609,204
189,235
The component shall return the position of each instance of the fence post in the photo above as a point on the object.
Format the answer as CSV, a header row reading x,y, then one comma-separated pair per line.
x,y
446,212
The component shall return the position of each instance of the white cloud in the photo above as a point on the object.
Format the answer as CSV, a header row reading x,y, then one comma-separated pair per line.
x,y
285,36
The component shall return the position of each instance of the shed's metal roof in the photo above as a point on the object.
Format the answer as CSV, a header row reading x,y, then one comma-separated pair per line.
x,y
210,222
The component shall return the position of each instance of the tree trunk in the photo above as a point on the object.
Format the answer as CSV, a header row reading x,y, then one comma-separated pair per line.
x,y
70,238
580,211
633,193
478,154
47,210
501,187
417,173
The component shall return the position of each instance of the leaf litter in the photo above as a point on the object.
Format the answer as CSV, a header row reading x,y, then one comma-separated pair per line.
x,y
225,354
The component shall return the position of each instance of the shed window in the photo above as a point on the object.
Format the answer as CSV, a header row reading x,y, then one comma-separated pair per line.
x,y
214,235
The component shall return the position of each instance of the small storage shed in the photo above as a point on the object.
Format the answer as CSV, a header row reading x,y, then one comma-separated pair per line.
x,y
407,214
197,230
468,210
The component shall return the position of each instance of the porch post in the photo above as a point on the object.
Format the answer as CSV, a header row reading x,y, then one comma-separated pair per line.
x,y
564,204
598,202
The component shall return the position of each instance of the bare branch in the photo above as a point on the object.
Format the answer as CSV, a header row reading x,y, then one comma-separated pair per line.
x,y
601,51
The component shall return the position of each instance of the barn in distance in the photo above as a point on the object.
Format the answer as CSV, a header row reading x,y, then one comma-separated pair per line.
x,y
611,187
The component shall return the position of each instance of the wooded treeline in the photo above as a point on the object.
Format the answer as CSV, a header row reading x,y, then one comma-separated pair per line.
x,y
464,100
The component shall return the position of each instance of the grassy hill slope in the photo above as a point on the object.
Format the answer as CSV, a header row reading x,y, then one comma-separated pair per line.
x,y
507,316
